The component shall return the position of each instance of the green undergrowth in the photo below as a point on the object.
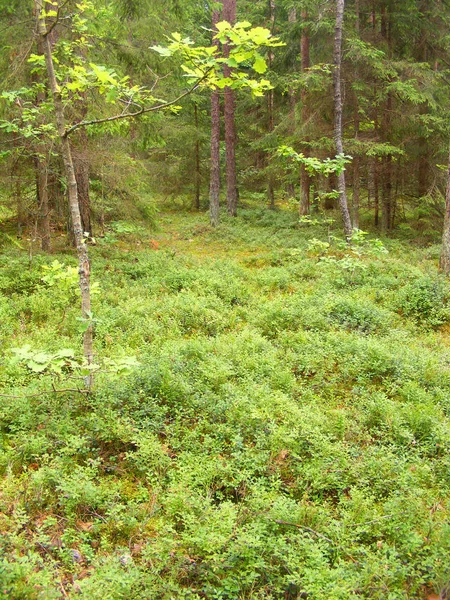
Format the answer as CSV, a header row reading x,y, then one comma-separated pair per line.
x,y
285,436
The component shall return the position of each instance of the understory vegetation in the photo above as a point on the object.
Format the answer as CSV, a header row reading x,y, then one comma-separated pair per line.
x,y
285,433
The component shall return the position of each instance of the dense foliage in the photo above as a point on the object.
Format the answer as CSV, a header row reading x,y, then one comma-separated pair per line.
x,y
285,435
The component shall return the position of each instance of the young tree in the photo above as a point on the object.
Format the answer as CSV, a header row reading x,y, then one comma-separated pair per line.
x,y
338,107
445,251
84,267
203,66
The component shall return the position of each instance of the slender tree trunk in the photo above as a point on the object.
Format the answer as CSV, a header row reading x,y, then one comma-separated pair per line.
x,y
343,204
42,200
197,161
376,194
305,181
445,252
41,166
214,183
290,186
386,208
81,166
229,14
271,111
356,159
82,251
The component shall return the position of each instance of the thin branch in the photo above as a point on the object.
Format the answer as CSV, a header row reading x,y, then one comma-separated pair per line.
x,y
308,529
54,391
138,113
57,19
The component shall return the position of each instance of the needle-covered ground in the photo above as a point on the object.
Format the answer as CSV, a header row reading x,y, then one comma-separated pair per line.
x,y
284,436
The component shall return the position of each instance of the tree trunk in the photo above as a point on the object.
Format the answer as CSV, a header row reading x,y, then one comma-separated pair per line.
x,y
69,171
356,160
386,207
290,186
42,200
445,252
305,182
81,166
214,183
343,204
41,166
271,111
229,14
197,161
376,195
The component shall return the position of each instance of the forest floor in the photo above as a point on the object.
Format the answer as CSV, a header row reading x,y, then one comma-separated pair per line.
x,y
284,436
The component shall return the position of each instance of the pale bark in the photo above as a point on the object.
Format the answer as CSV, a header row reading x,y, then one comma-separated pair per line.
x,y
338,107
69,171
445,252
356,160
214,183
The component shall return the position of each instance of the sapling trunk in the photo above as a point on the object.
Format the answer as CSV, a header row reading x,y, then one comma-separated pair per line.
x,y
69,171
343,204
445,252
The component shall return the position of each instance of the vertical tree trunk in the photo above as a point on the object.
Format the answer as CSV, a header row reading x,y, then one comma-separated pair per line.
x,y
376,194
82,251
290,186
214,183
197,161
338,116
81,166
356,160
229,14
42,200
41,165
305,182
386,207
445,252
271,110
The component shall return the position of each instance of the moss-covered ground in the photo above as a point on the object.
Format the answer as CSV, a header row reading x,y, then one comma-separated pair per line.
x,y
284,436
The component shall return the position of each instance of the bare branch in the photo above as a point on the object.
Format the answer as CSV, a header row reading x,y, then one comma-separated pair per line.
x,y
138,113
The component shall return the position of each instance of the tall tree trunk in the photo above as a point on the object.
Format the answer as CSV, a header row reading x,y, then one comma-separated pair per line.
x,y
69,171
290,186
41,166
356,160
197,161
271,110
445,252
214,182
229,14
305,182
338,116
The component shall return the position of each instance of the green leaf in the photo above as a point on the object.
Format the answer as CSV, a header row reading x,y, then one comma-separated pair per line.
x,y
161,50
260,65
